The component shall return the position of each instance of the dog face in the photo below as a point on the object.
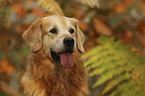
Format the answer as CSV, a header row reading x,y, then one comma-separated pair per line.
x,y
59,36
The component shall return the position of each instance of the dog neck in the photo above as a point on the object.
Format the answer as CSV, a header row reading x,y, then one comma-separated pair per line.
x,y
54,79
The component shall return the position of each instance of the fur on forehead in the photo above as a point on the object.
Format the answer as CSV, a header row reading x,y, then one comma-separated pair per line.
x,y
57,20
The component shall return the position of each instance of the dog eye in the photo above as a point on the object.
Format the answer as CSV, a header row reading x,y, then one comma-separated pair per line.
x,y
71,31
53,30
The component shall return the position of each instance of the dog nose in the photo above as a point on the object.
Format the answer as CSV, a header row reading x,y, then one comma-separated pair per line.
x,y
68,41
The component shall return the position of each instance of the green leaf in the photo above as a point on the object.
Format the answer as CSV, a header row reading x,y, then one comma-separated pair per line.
x,y
118,67
113,83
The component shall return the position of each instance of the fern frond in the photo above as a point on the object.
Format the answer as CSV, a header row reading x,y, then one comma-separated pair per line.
x,y
104,67
91,3
116,81
122,70
51,6
108,76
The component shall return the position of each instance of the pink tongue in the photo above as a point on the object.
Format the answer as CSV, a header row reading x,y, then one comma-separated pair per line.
x,y
66,59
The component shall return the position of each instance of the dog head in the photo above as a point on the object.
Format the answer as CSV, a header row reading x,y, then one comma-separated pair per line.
x,y
59,36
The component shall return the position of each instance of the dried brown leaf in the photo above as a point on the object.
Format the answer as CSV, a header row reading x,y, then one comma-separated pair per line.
x,y
8,89
51,6
141,39
101,28
91,3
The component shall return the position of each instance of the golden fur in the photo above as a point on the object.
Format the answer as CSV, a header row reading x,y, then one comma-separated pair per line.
x,y
43,76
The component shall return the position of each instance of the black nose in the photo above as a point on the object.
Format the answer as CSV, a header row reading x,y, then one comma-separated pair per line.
x,y
68,41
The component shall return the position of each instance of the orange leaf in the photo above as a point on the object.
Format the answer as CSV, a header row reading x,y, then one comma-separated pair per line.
x,y
135,49
6,67
22,28
19,9
143,6
30,1
128,37
121,7
101,28
83,26
141,39
38,12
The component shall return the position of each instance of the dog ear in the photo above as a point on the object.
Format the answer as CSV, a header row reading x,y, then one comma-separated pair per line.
x,y
79,35
33,35
80,38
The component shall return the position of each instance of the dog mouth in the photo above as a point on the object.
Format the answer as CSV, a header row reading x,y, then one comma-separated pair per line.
x,y
64,58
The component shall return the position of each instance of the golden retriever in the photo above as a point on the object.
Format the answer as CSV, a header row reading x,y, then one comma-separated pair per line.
x,y
55,67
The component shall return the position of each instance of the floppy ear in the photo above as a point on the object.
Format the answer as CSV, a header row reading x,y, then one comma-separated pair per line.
x,y
80,38
33,35
79,35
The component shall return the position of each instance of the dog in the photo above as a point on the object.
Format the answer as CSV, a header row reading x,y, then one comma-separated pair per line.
x,y
55,67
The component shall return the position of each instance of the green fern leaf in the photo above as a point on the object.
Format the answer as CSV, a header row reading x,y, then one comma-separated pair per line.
x,y
108,76
102,69
122,70
113,83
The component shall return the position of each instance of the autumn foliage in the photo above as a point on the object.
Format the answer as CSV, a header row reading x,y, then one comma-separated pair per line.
x,y
122,19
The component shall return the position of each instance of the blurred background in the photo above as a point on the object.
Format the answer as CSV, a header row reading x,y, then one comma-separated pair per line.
x,y
122,19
